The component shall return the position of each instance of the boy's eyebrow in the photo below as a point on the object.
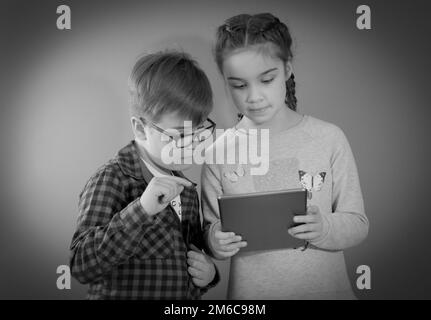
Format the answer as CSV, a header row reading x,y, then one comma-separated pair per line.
x,y
262,74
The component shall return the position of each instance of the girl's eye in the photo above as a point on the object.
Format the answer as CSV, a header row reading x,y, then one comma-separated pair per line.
x,y
267,80
238,86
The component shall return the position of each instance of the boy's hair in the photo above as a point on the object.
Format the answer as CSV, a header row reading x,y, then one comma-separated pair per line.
x,y
169,81
264,30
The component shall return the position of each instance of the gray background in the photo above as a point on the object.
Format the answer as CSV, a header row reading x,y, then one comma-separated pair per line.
x,y
64,113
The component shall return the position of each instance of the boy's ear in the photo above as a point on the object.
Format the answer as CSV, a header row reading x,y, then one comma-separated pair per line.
x,y
288,69
138,128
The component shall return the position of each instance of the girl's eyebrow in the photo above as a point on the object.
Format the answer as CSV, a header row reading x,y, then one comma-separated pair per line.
x,y
262,74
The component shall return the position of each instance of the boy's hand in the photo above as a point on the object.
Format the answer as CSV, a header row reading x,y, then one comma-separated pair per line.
x,y
160,191
227,244
312,228
201,267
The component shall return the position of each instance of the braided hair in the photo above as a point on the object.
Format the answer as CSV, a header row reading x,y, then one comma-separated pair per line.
x,y
245,30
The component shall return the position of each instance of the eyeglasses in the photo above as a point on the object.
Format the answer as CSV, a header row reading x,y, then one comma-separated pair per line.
x,y
199,135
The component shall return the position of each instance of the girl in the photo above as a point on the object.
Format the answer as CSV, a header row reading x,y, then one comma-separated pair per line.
x,y
253,53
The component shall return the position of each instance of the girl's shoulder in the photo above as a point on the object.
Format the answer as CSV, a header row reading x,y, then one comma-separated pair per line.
x,y
321,129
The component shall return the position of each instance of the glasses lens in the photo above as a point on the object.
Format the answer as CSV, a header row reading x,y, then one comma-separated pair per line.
x,y
203,135
184,141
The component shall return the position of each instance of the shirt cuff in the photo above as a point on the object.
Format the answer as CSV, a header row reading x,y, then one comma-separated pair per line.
x,y
325,232
210,235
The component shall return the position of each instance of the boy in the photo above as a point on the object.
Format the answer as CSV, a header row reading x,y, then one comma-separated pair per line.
x,y
139,233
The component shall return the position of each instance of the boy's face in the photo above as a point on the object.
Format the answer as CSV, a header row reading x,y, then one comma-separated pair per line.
x,y
159,146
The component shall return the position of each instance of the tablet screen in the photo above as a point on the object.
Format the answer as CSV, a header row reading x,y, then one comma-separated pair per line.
x,y
262,219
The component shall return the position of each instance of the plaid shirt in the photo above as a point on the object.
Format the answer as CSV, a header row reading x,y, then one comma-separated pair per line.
x,y
123,253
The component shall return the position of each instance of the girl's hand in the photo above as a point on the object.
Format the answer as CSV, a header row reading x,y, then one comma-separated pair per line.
x,y
226,244
201,267
312,228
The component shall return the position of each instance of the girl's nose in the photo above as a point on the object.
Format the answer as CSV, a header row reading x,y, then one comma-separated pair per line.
x,y
253,95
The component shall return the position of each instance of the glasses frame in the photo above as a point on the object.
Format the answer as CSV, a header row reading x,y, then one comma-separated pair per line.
x,y
182,135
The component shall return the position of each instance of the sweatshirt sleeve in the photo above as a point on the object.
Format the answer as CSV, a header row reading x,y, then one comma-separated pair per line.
x,y
211,188
347,225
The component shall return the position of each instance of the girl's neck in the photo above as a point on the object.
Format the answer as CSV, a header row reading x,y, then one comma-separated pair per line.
x,y
283,120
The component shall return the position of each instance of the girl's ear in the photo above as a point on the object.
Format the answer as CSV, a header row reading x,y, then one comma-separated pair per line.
x,y
288,69
138,128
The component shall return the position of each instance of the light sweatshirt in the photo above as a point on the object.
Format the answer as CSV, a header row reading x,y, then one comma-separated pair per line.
x,y
314,155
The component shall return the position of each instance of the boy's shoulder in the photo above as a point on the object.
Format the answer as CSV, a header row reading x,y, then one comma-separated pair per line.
x,y
109,169
124,164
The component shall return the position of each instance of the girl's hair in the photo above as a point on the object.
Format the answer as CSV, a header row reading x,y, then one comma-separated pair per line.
x,y
246,30
169,81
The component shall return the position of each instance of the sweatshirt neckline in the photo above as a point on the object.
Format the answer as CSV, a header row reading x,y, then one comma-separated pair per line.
x,y
298,125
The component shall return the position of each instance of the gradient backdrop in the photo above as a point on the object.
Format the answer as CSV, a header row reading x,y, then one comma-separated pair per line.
x,y
64,112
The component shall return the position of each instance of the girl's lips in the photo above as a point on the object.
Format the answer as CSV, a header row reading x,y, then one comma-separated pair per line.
x,y
259,110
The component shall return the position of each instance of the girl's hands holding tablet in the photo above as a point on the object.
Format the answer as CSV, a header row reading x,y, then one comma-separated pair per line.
x,y
311,227
227,244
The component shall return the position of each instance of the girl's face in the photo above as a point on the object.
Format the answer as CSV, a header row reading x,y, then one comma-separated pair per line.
x,y
257,83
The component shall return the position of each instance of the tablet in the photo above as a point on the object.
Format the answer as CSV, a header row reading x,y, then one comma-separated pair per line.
x,y
262,218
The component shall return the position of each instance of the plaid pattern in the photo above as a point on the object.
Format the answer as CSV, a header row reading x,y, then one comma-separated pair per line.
x,y
121,252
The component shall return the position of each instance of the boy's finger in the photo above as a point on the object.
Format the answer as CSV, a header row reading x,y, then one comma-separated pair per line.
x,y
199,265
195,273
199,282
198,256
167,190
178,180
166,199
